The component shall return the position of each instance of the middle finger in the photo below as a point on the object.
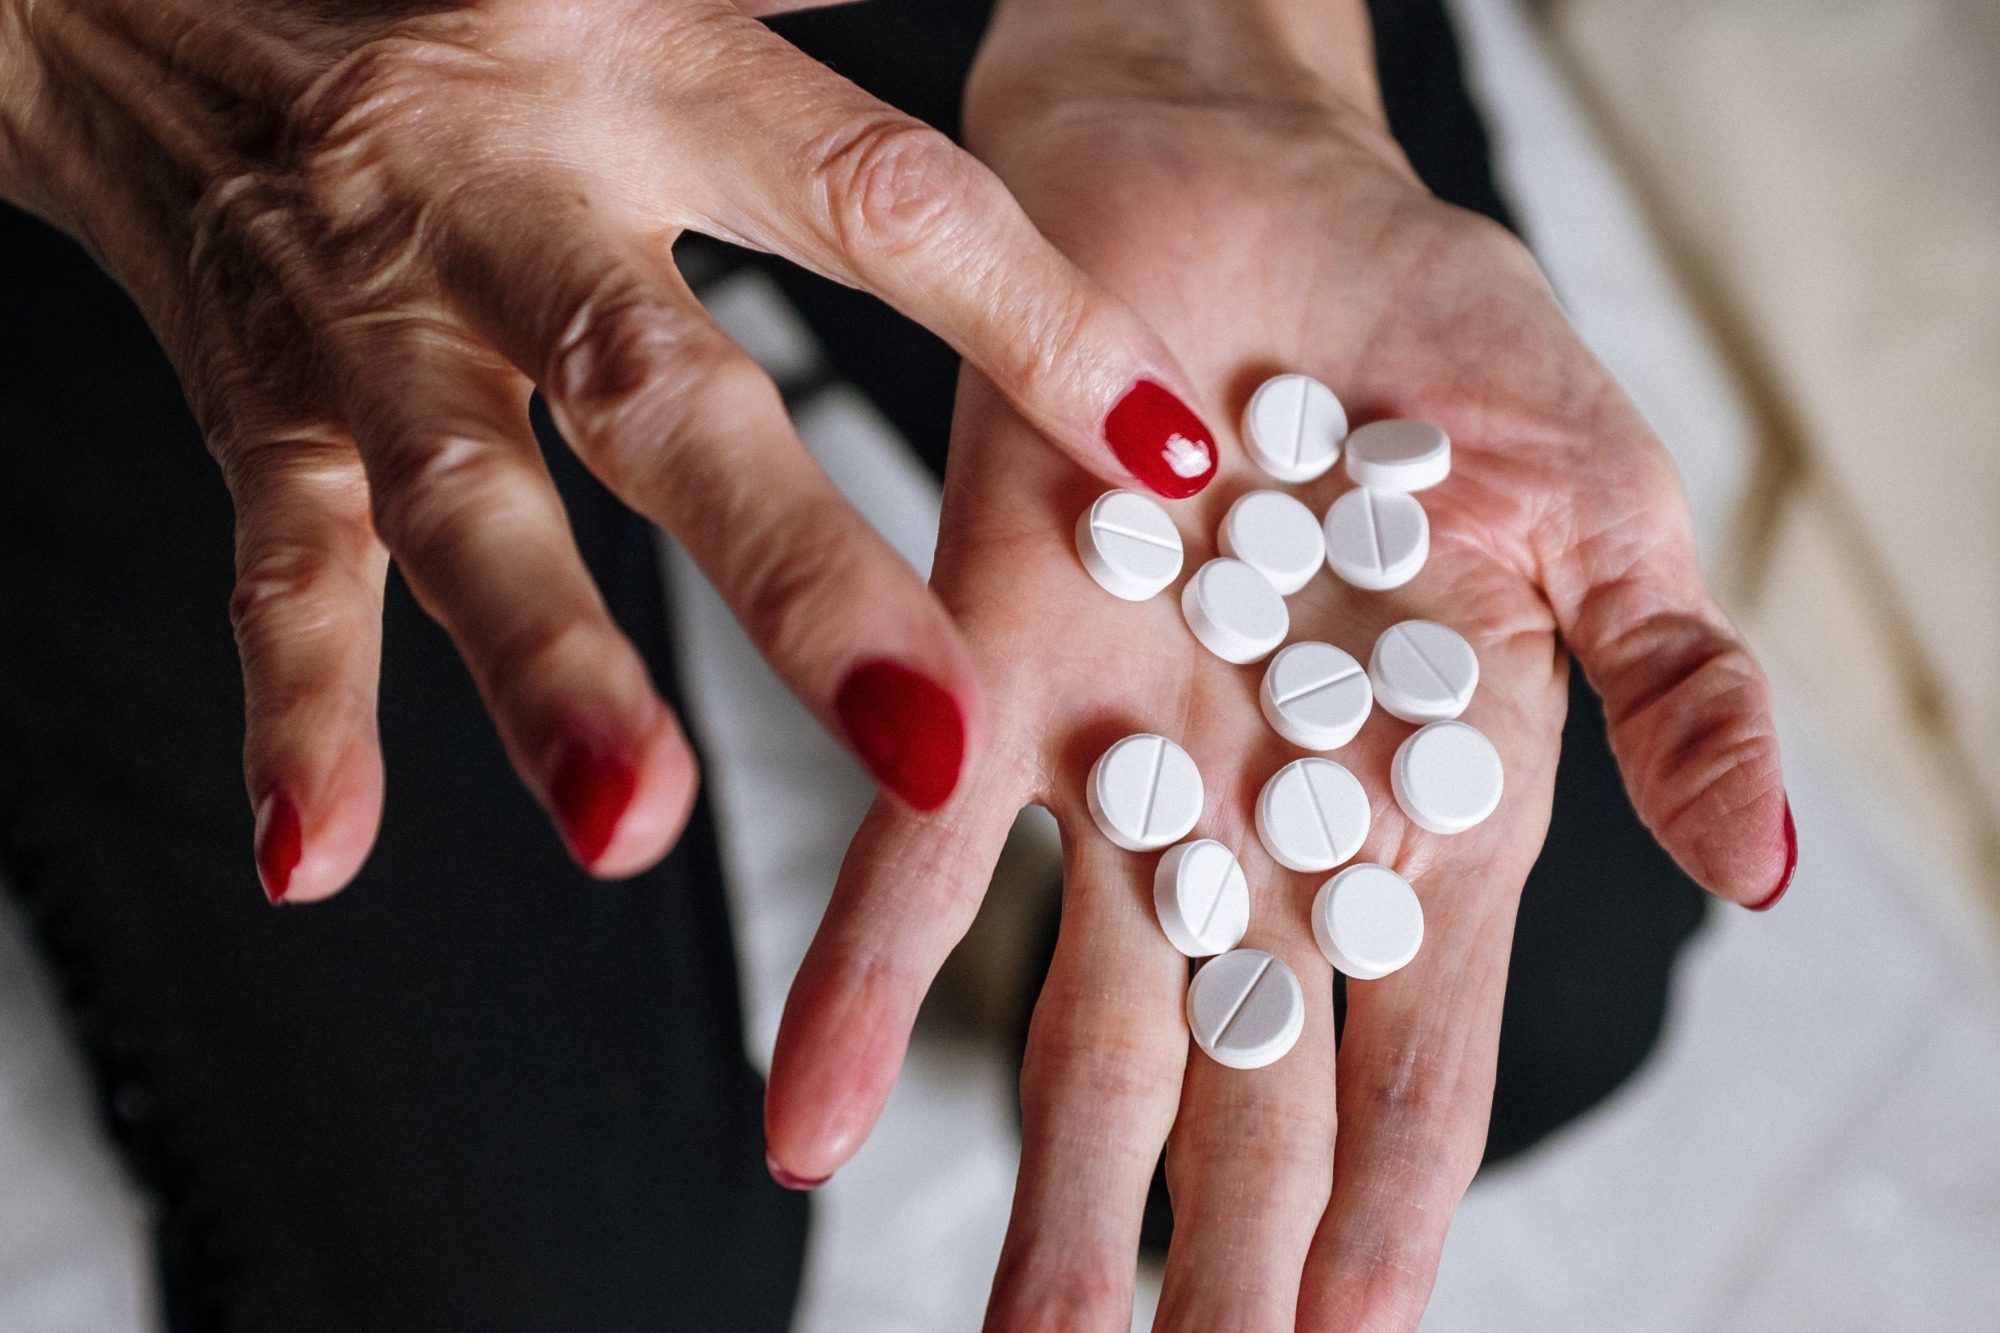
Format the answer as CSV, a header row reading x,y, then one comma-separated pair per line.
x,y
1099,1084
1250,1163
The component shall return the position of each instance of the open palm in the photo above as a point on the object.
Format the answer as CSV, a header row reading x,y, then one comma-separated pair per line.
x,y
1316,1191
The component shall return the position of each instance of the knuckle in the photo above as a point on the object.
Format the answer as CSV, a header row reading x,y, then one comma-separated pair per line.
x,y
1407,1092
286,582
1106,1072
1077,1295
1043,361
792,588
422,493
891,184
387,81
1386,1299
403,95
626,369
244,250
573,634
266,450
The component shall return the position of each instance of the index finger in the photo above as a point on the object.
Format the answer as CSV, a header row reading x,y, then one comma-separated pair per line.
x,y
806,165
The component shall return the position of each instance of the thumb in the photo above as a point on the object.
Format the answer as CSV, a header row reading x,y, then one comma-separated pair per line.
x,y
1689,709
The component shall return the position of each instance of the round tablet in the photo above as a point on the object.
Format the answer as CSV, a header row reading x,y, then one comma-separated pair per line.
x,y
1447,777
1294,426
1312,815
1377,539
1144,792
1246,1008
1423,671
1234,611
1202,899
1399,455
1129,545
1275,535
1368,921
1315,696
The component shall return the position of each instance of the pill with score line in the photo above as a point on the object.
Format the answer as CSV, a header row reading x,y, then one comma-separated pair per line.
x,y
1368,921
1234,611
1315,695
1312,815
1246,1008
1423,671
1376,540
1144,792
1275,535
1399,455
1293,425
1201,898
1129,545
1447,777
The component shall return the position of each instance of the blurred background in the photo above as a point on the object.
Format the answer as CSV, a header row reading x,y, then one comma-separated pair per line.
x,y
1779,222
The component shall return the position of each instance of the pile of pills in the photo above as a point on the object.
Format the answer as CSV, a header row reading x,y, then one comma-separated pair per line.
x,y
1245,1007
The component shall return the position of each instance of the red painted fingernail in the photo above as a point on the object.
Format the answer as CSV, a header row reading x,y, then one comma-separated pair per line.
x,y
1161,441
279,843
590,791
906,728
787,1179
1791,864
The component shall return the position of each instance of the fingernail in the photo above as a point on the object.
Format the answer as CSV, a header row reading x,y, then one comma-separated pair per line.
x,y
906,728
1791,864
590,791
787,1179
1161,441
279,844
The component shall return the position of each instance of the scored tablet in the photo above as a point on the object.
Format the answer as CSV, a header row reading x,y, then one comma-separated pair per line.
x,y
1144,792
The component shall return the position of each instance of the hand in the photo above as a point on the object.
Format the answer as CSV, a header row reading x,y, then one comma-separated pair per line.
x,y
365,234
1269,222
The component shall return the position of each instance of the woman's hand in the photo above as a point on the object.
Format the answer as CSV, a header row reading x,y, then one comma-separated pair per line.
x,y
1268,223
366,233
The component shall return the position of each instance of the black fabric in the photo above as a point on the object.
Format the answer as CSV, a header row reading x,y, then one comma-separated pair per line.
x,y
478,1091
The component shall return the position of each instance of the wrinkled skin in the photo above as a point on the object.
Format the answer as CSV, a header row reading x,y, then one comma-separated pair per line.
x,y
365,233
1270,230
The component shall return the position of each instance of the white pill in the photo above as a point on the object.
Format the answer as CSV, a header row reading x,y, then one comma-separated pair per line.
x,y
1316,696
1447,777
1129,545
1275,535
1368,921
1294,426
1312,815
1246,1008
1144,792
1377,539
1423,671
1234,611
1202,899
1399,455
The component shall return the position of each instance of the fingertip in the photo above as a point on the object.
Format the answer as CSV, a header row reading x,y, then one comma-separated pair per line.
x,y
620,807
1741,849
1160,440
310,844
911,731
788,1179
278,844
1788,862
836,1058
